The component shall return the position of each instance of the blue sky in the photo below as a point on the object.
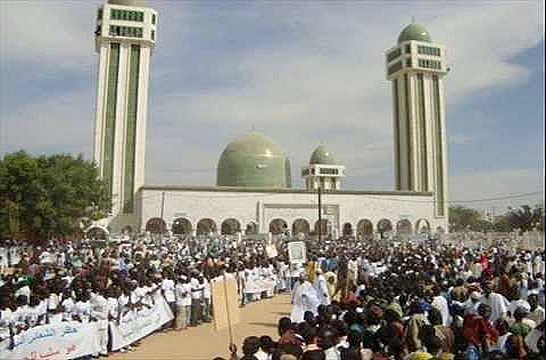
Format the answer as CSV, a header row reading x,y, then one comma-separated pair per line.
x,y
300,72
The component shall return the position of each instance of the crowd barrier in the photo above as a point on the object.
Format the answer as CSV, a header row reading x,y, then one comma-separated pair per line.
x,y
71,340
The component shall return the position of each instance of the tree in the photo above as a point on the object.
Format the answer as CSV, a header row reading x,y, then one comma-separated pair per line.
x,y
462,218
526,217
47,196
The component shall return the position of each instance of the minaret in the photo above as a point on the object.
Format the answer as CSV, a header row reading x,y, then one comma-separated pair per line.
x,y
416,67
125,37
323,171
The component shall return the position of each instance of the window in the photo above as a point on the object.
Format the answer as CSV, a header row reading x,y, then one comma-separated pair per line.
x,y
407,49
99,14
153,35
116,14
428,50
328,171
393,54
126,31
395,67
430,64
153,19
408,62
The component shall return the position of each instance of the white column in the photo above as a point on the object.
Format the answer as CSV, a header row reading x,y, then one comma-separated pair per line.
x,y
142,118
102,80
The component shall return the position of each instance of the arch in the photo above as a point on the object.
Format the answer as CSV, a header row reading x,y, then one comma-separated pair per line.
x,y
205,227
300,226
384,225
347,229
364,228
440,230
156,226
422,226
230,226
97,233
127,230
404,227
251,228
181,226
321,226
277,226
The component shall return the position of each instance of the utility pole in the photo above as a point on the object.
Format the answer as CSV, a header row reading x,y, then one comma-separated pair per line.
x,y
162,211
319,214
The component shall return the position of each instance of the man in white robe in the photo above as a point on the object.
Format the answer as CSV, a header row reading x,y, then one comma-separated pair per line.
x,y
498,303
322,289
304,299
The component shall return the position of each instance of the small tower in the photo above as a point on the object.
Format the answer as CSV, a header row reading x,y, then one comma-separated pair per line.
x,y
124,38
323,171
416,67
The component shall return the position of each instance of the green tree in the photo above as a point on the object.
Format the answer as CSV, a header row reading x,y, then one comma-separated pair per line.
x,y
461,218
47,196
526,217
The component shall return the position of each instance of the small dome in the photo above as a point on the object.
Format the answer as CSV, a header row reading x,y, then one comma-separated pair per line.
x,y
253,160
321,155
139,3
414,32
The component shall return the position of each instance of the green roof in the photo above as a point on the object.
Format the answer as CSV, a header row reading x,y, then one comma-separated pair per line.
x,y
321,155
253,160
415,32
140,3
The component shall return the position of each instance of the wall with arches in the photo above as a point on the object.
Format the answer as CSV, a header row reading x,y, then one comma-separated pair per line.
x,y
244,206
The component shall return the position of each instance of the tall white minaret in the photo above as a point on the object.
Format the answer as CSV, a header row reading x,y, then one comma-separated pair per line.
x,y
125,37
416,67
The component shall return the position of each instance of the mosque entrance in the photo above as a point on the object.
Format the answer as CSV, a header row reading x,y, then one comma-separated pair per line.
x,y
384,227
205,227
230,227
277,226
181,226
364,229
300,226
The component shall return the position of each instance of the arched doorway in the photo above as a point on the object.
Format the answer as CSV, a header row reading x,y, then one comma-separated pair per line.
x,y
251,228
384,226
364,229
422,226
277,226
230,227
97,233
321,227
300,226
347,229
181,226
156,226
205,227
403,228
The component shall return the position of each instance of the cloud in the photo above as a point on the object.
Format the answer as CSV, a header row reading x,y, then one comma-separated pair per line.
x,y
474,185
302,73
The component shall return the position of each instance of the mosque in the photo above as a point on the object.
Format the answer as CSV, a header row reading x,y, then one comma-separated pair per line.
x,y
253,192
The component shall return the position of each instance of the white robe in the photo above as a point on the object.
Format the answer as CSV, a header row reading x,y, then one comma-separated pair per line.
x,y
440,303
499,305
322,290
304,299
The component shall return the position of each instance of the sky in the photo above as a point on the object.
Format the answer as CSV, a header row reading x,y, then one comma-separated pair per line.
x,y
301,72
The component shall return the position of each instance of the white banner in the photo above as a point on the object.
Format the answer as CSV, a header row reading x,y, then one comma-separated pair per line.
x,y
136,324
62,341
297,252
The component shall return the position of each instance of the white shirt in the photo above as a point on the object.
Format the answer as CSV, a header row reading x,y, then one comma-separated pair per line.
x,y
167,285
183,294
196,289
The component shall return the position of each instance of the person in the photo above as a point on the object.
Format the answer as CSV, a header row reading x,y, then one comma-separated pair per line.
x,y
536,312
520,328
321,288
168,289
196,300
496,302
304,299
99,311
183,303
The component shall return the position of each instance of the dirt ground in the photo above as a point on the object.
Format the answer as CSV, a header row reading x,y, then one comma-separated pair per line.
x,y
204,343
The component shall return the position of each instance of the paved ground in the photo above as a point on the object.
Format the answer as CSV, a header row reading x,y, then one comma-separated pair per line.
x,y
204,343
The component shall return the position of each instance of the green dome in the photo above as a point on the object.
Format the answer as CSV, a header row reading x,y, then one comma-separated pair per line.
x,y
140,3
321,155
414,32
253,160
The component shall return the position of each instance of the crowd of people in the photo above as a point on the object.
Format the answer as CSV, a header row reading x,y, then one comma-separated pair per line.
x,y
84,283
355,301
352,300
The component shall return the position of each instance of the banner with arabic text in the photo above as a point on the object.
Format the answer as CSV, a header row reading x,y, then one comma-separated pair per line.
x,y
62,341
138,323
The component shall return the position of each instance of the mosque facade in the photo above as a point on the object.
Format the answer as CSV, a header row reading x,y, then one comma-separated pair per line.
x,y
253,192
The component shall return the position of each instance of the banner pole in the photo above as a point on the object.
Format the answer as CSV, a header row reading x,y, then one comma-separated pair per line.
x,y
230,330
